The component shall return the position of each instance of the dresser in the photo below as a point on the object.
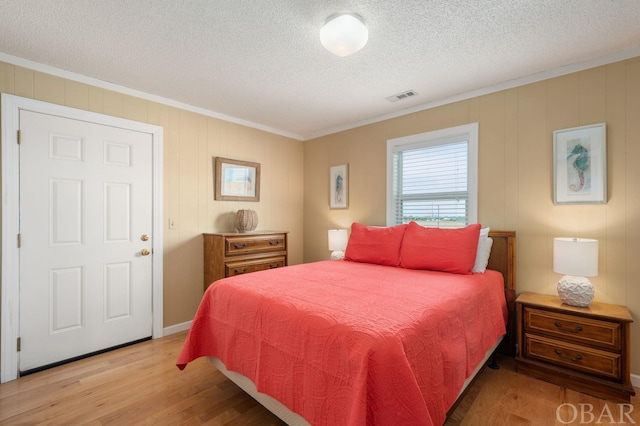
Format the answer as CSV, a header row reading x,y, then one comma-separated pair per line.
x,y
229,254
585,349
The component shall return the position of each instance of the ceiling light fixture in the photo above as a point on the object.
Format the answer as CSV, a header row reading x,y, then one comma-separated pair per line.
x,y
344,34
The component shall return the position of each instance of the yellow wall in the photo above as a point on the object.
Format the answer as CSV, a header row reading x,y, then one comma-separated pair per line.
x,y
190,142
515,176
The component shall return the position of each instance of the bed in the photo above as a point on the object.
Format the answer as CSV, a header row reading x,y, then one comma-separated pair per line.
x,y
376,339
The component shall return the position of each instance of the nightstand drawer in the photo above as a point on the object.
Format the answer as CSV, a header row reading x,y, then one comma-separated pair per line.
x,y
603,334
238,268
579,358
254,244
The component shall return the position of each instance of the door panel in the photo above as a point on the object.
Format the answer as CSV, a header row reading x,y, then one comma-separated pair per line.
x,y
66,211
117,204
66,299
85,200
117,303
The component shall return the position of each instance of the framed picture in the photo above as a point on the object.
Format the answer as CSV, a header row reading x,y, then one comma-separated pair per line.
x,y
236,180
339,186
580,165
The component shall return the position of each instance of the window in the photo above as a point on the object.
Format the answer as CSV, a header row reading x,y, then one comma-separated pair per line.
x,y
432,178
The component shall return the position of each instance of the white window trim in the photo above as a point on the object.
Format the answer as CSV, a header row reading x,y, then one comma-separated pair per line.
x,y
438,137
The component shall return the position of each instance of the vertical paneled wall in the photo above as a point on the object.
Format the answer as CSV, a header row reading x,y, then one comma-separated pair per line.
x,y
190,143
515,176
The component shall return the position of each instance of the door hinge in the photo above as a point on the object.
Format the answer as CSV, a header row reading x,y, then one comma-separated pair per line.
x,y
19,240
19,343
19,137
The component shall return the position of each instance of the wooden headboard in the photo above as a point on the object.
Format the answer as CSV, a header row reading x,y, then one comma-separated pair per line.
x,y
503,259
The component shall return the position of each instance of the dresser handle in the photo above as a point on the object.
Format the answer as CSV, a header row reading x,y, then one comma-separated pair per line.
x,y
273,265
578,329
239,246
274,243
577,358
238,271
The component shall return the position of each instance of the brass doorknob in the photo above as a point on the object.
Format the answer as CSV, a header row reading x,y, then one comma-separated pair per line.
x,y
145,252
144,237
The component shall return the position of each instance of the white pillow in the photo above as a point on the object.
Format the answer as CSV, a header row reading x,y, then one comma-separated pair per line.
x,y
483,252
484,233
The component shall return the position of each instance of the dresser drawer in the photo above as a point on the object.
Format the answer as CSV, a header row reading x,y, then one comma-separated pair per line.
x,y
254,244
603,334
230,253
579,358
238,268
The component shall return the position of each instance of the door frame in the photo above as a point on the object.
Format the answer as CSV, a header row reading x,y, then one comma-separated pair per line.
x,y
10,288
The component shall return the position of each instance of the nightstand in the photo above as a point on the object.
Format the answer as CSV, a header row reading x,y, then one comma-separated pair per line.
x,y
585,349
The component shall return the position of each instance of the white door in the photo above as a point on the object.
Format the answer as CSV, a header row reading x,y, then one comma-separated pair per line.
x,y
86,238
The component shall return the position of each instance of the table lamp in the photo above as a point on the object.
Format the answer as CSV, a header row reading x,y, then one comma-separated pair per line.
x,y
577,258
337,243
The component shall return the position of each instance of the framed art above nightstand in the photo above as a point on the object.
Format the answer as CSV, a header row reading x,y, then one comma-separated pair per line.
x,y
585,349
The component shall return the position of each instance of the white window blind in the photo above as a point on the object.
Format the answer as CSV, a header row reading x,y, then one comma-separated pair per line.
x,y
432,178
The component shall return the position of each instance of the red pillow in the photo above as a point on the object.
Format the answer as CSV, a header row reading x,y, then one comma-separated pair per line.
x,y
372,244
437,249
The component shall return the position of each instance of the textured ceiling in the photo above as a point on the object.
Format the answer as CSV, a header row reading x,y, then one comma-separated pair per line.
x,y
261,63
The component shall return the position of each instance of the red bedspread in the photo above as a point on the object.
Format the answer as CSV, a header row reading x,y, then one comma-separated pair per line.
x,y
346,343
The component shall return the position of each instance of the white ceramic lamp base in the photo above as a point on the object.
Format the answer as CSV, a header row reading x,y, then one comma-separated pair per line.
x,y
337,255
575,291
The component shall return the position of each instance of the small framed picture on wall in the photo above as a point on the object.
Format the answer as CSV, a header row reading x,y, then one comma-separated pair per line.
x,y
580,165
339,186
236,180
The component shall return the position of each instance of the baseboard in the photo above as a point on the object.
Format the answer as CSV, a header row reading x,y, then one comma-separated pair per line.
x,y
635,381
177,328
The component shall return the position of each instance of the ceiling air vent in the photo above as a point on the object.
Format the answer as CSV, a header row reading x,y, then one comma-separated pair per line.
x,y
403,95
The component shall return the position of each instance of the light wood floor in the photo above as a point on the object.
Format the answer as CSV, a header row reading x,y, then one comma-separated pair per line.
x,y
140,385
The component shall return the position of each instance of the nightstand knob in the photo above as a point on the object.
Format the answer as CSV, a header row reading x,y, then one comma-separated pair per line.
x,y
559,353
578,329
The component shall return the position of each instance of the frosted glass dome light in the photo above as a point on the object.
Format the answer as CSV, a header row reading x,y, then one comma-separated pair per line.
x,y
344,34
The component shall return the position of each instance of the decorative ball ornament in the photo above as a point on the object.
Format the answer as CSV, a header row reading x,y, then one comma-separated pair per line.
x,y
575,291
246,220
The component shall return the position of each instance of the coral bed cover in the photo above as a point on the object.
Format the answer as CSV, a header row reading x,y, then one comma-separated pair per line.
x,y
347,343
